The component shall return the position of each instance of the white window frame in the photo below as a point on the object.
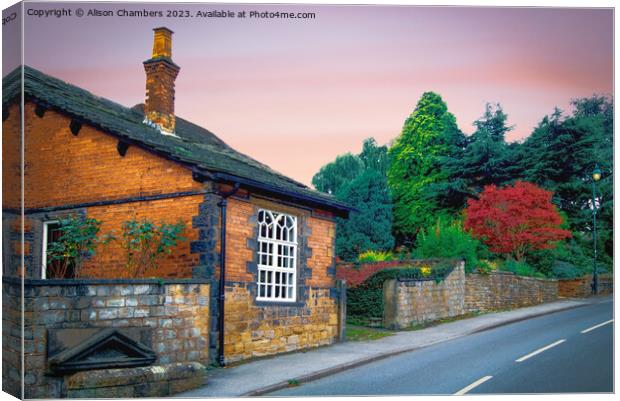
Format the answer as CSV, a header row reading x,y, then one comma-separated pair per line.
x,y
277,248
46,224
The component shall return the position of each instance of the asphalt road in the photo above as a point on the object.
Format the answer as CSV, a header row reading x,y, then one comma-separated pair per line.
x,y
548,354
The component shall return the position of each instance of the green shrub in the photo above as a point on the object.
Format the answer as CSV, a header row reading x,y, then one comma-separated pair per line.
x,y
562,269
77,241
365,301
375,256
449,240
146,243
520,268
566,260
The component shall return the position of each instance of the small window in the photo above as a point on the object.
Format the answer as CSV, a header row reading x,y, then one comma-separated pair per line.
x,y
53,268
277,256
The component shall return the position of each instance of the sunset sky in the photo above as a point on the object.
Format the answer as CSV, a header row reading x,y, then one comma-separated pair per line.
x,y
294,94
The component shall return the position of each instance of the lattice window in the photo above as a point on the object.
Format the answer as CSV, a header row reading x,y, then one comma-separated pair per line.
x,y
277,256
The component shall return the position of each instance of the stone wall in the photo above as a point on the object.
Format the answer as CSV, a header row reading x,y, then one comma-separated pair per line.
x,y
582,287
408,302
504,290
256,330
606,284
171,318
575,288
416,301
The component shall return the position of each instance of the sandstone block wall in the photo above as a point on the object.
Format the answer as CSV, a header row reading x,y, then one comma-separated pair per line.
x,y
503,290
575,288
582,287
176,315
417,301
253,330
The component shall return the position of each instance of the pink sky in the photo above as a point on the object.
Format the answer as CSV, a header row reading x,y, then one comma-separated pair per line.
x,y
294,94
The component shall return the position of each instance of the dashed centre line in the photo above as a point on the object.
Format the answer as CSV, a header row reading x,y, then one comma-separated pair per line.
x,y
538,351
473,385
597,326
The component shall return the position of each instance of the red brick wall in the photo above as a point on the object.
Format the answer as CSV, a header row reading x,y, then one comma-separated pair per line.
x,y
65,169
321,241
239,229
11,159
110,259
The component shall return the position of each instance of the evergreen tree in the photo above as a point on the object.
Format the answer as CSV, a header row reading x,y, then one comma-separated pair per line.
x,y
333,176
560,156
371,227
360,180
485,160
428,134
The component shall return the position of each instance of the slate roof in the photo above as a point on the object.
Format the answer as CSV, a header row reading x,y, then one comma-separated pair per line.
x,y
195,146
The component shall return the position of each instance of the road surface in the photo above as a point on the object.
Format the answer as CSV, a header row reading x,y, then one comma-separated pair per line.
x,y
570,351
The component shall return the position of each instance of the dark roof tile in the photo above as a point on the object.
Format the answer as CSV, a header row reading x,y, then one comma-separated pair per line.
x,y
193,146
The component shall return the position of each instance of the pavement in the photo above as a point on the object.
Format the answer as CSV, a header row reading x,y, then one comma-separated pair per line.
x,y
264,376
570,351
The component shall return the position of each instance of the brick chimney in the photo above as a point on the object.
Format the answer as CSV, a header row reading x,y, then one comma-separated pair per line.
x,y
161,73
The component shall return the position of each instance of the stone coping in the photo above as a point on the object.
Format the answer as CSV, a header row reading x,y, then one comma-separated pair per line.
x,y
400,261
97,281
412,280
505,273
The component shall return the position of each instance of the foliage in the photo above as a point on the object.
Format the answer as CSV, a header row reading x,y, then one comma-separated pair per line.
x,y
560,156
77,241
375,157
515,219
365,301
360,180
486,266
375,256
429,133
449,240
520,268
485,159
369,229
145,243
333,176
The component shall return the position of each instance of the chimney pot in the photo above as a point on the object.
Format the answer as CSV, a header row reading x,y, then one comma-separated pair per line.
x,y
161,72
162,43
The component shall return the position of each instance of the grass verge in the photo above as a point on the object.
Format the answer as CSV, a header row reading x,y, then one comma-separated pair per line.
x,y
361,333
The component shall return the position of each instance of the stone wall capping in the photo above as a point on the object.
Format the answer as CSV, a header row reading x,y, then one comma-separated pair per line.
x,y
97,281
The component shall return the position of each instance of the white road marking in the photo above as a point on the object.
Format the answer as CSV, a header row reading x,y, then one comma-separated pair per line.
x,y
473,385
538,351
597,326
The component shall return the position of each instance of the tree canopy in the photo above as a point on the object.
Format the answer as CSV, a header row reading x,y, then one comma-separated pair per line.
x,y
429,133
360,180
515,219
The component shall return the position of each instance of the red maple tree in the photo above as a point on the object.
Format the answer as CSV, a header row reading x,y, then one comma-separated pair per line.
x,y
515,219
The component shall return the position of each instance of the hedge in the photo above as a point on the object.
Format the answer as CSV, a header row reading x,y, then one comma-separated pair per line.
x,y
365,301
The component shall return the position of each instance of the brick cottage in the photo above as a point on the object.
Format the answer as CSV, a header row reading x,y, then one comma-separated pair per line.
x,y
264,239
